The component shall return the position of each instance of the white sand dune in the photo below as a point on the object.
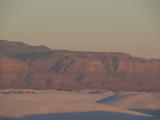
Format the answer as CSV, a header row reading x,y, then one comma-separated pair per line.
x,y
133,100
19,103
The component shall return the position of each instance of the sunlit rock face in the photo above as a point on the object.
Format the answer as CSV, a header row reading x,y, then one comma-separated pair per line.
x,y
38,67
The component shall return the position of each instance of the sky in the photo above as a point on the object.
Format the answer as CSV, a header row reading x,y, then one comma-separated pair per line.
x,y
130,26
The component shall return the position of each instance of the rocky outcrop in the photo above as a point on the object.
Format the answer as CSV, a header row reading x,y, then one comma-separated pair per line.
x,y
42,68
12,72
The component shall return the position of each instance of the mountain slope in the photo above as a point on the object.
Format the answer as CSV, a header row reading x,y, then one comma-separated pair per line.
x,y
24,66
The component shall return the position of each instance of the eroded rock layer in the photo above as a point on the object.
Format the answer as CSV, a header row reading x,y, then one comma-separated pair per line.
x,y
38,67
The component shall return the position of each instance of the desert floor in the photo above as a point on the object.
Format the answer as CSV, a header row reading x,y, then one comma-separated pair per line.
x,y
26,104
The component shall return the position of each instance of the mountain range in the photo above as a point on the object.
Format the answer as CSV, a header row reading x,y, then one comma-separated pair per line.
x,y
39,67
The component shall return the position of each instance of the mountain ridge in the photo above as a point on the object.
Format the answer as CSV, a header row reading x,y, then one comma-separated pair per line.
x,y
39,67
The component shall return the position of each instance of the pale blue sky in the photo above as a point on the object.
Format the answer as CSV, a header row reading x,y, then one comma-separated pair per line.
x,y
131,26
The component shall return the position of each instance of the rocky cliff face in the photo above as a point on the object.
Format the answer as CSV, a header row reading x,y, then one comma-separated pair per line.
x,y
24,66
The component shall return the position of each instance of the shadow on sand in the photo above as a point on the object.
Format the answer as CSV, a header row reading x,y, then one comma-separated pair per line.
x,y
82,116
115,98
154,112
